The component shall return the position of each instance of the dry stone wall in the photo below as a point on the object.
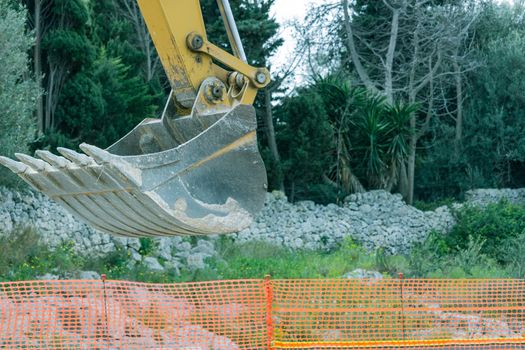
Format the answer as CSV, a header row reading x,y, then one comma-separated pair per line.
x,y
376,219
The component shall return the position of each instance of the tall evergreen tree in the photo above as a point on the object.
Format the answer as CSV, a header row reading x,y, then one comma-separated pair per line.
x,y
18,91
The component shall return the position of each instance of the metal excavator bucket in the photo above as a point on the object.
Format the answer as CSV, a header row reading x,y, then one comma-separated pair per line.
x,y
200,174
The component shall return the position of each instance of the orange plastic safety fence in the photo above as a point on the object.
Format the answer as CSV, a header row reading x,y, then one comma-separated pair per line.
x,y
379,314
264,314
122,315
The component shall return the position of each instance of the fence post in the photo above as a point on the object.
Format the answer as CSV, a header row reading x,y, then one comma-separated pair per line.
x,y
401,285
106,330
268,291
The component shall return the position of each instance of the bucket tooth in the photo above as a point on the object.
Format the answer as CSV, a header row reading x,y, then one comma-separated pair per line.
x,y
113,164
54,160
75,157
14,166
100,155
35,164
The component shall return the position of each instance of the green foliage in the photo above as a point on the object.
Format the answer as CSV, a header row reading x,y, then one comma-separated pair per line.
x,y
146,245
433,205
435,258
491,152
92,72
25,258
339,139
127,100
257,259
493,225
513,255
110,100
306,143
74,13
18,91
114,264
81,96
485,243
380,139
496,143
62,43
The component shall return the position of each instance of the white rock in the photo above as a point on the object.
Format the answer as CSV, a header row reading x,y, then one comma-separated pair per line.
x,y
48,277
363,274
152,264
196,261
89,275
135,256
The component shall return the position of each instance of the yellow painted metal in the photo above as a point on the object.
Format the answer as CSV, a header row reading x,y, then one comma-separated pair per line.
x,y
175,23
234,62
169,22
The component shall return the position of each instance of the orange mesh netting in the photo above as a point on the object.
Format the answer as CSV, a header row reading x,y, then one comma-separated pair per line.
x,y
399,313
123,315
264,314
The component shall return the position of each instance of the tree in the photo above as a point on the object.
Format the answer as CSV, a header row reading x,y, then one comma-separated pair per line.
x,y
372,135
337,139
491,148
306,141
120,28
39,13
18,91
61,49
496,132
401,50
93,76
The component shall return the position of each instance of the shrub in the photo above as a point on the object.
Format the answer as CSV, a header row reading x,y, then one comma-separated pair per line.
x,y
147,245
434,258
512,252
24,257
257,259
493,224
17,248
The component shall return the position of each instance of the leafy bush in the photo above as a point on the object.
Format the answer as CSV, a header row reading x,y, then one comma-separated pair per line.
x,y
434,258
24,257
147,245
494,224
114,264
512,253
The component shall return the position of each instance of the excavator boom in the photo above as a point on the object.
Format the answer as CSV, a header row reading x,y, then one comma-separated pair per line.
x,y
194,171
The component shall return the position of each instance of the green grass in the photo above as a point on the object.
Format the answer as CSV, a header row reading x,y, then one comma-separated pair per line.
x,y
256,259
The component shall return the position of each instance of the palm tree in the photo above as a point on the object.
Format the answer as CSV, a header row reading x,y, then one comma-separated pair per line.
x,y
371,135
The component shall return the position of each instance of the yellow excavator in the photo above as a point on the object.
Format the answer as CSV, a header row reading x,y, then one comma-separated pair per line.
x,y
194,171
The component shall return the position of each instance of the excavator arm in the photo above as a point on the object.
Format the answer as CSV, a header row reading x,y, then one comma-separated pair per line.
x,y
178,31
194,171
